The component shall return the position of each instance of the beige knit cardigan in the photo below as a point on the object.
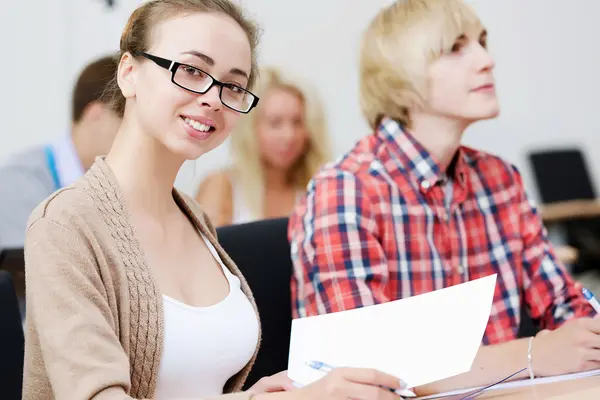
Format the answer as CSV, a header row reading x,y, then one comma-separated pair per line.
x,y
94,325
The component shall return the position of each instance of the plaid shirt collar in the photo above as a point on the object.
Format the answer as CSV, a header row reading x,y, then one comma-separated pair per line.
x,y
412,158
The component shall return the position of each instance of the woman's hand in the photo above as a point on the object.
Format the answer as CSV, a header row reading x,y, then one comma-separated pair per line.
x,y
347,383
274,383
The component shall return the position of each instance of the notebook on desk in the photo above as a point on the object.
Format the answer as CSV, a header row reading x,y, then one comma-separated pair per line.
x,y
471,393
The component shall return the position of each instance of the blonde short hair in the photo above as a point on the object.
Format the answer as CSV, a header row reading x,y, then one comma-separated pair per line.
x,y
248,166
397,49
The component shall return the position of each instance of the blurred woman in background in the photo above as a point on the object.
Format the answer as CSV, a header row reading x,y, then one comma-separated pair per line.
x,y
276,152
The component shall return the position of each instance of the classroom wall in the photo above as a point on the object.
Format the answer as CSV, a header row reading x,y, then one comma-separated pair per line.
x,y
546,69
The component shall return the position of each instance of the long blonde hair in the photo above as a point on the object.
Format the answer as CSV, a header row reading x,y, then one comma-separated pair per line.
x,y
248,166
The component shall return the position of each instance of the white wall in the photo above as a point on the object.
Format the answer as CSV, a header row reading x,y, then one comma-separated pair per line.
x,y
44,46
547,76
32,70
545,52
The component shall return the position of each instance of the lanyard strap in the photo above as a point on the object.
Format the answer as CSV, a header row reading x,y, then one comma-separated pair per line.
x,y
52,167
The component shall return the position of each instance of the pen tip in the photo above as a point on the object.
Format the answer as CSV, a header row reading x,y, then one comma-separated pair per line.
x,y
318,365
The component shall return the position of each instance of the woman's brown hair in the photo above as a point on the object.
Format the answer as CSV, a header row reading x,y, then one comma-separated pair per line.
x,y
137,33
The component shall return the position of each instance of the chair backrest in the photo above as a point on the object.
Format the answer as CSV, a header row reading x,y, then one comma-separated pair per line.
x,y
13,261
528,326
262,253
12,342
561,175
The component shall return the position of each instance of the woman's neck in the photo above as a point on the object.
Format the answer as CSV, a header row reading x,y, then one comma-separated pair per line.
x,y
145,171
276,179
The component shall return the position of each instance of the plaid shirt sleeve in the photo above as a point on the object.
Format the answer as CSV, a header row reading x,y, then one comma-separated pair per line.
x,y
338,262
551,294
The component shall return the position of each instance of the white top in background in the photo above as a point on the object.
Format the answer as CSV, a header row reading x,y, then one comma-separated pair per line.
x,y
241,213
205,346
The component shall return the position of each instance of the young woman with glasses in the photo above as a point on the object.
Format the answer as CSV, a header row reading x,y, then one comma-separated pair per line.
x,y
129,293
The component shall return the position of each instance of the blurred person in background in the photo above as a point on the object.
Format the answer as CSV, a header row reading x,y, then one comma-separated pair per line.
x,y
29,177
276,152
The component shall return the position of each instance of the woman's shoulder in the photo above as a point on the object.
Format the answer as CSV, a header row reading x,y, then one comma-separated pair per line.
x,y
220,181
215,194
71,231
215,189
70,215
68,207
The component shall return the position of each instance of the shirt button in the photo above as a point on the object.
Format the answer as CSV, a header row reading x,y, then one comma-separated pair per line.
x,y
425,184
461,270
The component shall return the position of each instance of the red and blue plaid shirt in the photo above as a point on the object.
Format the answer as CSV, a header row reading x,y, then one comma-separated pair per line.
x,y
375,226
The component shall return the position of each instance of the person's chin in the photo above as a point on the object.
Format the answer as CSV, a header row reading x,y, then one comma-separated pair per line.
x,y
493,112
192,147
282,164
189,150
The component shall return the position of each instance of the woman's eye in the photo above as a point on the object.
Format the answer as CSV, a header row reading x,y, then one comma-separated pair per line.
x,y
194,72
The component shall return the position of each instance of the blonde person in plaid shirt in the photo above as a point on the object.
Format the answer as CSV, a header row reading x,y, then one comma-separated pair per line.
x,y
409,209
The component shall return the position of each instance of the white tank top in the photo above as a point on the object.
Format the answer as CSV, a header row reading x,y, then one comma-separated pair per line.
x,y
205,346
241,212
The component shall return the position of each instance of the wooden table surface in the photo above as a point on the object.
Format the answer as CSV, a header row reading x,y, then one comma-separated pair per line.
x,y
577,389
558,212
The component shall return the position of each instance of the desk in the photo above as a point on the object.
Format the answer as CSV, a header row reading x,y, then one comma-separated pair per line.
x,y
577,389
567,254
558,212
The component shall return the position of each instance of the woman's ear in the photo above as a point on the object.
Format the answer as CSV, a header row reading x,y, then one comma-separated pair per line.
x,y
126,75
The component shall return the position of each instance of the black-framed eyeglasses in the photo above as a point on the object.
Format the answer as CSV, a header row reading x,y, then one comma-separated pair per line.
x,y
197,81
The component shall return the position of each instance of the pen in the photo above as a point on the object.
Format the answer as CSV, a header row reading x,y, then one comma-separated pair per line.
x,y
589,296
321,366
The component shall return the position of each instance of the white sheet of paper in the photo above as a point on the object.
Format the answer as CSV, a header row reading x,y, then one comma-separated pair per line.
x,y
420,339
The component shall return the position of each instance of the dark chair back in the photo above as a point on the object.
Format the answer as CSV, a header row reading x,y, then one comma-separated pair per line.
x,y
262,253
13,261
12,341
562,175
528,326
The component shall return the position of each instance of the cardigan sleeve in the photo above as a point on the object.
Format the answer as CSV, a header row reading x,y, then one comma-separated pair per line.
x,y
71,330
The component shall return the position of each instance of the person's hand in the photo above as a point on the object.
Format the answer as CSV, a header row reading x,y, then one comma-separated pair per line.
x,y
573,347
274,383
351,383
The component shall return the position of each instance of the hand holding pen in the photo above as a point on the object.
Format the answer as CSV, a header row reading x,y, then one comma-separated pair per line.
x,y
344,384
355,383
573,347
399,389
589,296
